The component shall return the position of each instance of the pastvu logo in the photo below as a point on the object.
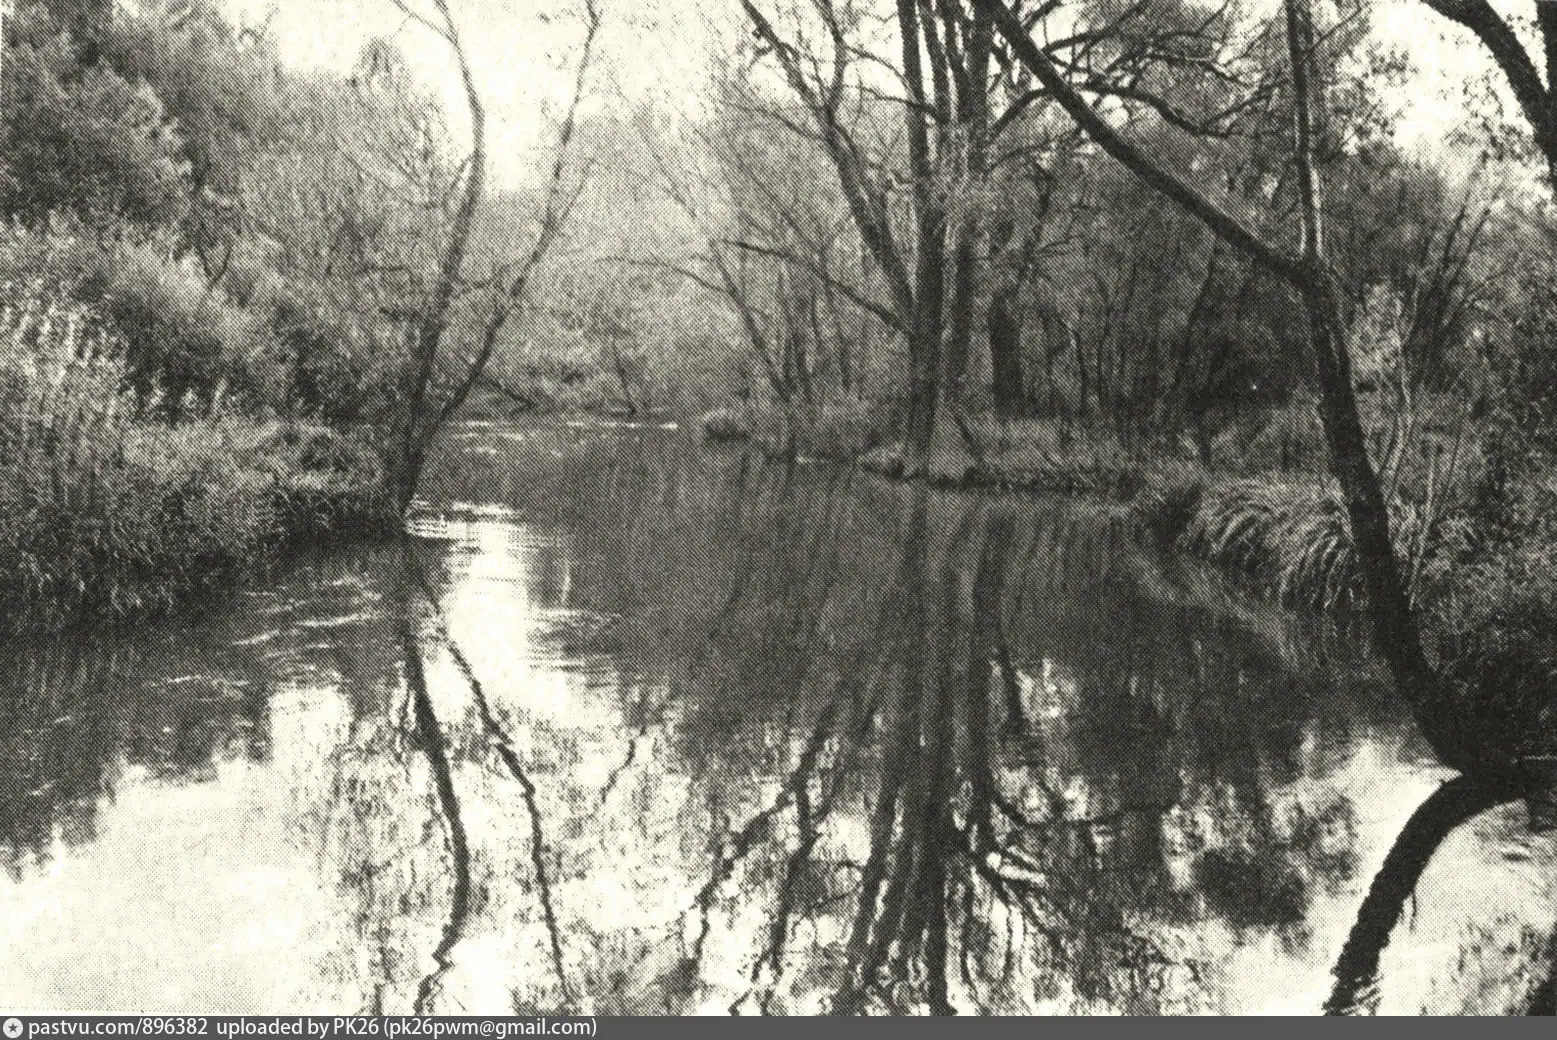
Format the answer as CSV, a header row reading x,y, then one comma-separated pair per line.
x,y
12,1028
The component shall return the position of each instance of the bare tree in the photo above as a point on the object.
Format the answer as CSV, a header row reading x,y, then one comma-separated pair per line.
x,y
421,418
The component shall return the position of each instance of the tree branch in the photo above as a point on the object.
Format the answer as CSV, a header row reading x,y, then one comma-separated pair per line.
x,y
1534,97
1127,153
886,314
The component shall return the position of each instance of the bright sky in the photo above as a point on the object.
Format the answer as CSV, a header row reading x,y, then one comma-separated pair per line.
x,y
523,52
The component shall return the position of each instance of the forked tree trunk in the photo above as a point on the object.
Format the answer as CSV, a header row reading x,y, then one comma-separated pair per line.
x,y
427,336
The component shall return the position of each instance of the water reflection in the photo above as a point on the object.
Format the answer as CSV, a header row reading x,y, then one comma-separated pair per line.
x,y
631,727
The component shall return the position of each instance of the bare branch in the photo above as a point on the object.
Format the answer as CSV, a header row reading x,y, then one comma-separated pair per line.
x,y
1126,152
852,294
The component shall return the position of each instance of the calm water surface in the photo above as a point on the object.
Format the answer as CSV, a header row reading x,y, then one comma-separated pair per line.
x,y
640,727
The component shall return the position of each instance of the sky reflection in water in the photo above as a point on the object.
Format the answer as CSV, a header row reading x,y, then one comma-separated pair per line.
x,y
714,702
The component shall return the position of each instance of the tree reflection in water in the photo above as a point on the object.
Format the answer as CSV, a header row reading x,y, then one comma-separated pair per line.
x,y
680,731
1036,781
972,873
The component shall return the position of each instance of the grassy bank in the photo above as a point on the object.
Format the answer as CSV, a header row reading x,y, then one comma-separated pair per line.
x,y
1007,454
1267,514
835,431
106,528
108,514
1020,455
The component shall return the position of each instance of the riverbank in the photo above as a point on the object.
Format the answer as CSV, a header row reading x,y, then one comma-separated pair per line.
x,y
1274,523
105,519
661,597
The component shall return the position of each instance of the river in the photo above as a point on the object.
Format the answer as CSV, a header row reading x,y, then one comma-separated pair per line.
x,y
635,725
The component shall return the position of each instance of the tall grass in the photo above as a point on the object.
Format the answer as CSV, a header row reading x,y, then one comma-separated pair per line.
x,y
841,429
104,514
1291,537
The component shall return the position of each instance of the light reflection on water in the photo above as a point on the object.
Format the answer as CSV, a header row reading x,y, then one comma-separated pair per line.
x,y
698,680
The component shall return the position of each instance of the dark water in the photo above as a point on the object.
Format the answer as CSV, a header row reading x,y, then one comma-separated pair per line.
x,y
642,727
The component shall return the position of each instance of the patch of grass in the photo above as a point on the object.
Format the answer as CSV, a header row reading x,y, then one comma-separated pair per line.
x,y
884,460
839,430
1286,534
1018,454
1290,535
845,429
105,515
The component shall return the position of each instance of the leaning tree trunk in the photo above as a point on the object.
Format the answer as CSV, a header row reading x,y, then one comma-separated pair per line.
x,y
1396,633
1395,628
427,336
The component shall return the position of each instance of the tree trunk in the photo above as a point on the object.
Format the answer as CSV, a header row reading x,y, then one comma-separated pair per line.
x,y
1396,633
1004,324
924,339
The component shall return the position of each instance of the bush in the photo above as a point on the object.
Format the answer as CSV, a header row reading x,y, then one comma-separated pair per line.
x,y
1290,438
1501,661
1169,498
105,515
84,140
183,345
725,423
325,366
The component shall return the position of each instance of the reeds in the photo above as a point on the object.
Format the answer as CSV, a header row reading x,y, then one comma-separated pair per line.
x,y
104,514
1292,538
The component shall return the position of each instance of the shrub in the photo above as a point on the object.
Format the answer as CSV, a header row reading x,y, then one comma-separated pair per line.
x,y
1501,661
82,139
1169,498
725,423
1291,438
327,366
103,514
